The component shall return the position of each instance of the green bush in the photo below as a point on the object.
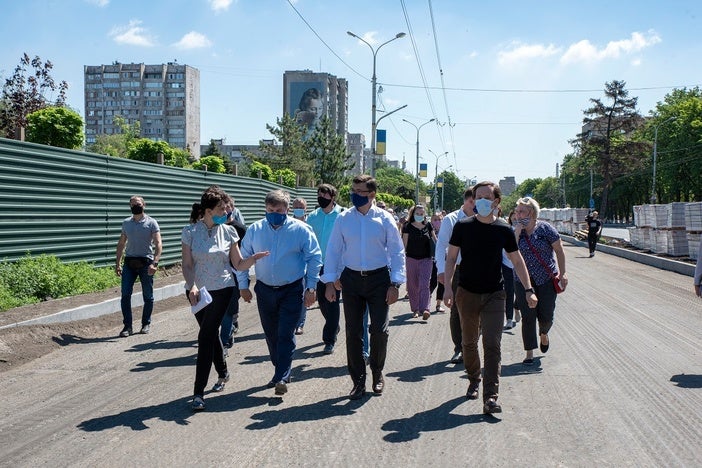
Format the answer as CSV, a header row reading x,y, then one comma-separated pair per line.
x,y
34,279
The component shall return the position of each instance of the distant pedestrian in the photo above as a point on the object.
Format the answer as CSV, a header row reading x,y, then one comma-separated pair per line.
x,y
419,240
538,242
286,280
594,230
209,250
299,212
364,240
142,237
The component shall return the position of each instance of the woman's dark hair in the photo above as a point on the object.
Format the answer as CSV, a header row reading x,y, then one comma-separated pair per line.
x,y
410,215
306,98
210,198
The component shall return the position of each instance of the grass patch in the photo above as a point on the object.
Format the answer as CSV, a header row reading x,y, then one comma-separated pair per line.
x,y
34,279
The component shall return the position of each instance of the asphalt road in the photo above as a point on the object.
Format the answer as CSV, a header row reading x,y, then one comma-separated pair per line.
x,y
620,386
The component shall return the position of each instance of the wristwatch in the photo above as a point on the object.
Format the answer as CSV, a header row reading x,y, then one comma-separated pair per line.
x,y
531,290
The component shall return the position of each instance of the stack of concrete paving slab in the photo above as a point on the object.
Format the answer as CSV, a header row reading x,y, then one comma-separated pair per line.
x,y
693,227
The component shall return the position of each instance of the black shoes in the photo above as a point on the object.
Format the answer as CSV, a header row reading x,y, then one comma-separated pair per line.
x,y
219,386
281,388
299,330
472,393
328,349
491,406
543,347
457,358
357,392
126,331
378,383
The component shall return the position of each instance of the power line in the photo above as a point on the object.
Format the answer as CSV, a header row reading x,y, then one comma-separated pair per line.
x,y
544,91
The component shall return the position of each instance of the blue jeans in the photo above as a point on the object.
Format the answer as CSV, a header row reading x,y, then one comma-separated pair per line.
x,y
279,309
129,276
231,317
303,316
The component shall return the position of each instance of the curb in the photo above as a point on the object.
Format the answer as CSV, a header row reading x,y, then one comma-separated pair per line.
x,y
102,308
640,257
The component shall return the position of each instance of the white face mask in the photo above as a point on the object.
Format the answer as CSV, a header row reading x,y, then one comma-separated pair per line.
x,y
483,206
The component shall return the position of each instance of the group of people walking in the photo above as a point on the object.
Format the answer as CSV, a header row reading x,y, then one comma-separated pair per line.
x,y
361,253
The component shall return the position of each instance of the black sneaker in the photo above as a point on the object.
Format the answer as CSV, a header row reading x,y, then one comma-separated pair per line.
x,y
219,386
491,406
198,403
126,331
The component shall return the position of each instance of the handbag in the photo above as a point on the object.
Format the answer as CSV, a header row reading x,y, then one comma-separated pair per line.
x,y
554,279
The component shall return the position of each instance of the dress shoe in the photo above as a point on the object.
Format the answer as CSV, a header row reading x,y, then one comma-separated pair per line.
x,y
357,392
472,393
457,358
281,388
299,331
491,406
126,331
378,383
425,315
328,349
544,347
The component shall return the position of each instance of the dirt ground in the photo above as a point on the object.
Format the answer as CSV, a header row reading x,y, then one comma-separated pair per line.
x,y
22,344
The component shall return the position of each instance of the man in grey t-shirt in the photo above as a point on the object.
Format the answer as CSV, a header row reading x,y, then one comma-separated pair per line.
x,y
142,238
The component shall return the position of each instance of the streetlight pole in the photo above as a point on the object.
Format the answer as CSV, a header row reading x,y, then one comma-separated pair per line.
x,y
374,82
654,198
436,175
417,165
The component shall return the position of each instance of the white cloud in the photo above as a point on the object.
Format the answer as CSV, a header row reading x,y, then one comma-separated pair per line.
x,y
220,5
584,51
132,34
369,37
520,52
99,3
636,62
193,40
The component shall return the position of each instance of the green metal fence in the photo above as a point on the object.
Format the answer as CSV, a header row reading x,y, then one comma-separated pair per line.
x,y
71,204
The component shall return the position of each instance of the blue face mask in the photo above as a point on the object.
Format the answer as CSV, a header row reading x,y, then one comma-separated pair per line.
x,y
276,219
298,212
358,200
418,218
483,206
220,219
524,221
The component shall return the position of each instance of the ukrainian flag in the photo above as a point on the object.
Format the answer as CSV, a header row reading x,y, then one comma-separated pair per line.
x,y
380,142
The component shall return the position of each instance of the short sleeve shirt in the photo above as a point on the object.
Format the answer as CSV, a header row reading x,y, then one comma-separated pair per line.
x,y
210,251
481,248
418,240
140,236
541,239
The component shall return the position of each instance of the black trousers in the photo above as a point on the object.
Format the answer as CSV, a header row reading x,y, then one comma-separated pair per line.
x,y
209,346
592,242
361,292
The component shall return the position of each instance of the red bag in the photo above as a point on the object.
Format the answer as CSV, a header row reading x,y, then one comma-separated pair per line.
x,y
556,283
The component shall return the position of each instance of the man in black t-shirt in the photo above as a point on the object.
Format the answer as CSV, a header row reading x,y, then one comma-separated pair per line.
x,y
594,229
480,296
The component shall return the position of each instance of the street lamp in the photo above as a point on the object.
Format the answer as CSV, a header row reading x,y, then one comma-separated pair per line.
x,y
374,83
436,174
417,177
654,198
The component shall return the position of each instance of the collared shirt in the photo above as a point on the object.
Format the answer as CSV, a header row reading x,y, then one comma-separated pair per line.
x,y
365,242
442,240
294,252
210,250
322,224
140,236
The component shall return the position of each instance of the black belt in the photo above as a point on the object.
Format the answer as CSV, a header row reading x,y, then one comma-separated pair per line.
x,y
368,272
282,286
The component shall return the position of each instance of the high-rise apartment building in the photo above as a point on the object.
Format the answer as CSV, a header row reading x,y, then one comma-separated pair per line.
x,y
164,98
308,96
356,146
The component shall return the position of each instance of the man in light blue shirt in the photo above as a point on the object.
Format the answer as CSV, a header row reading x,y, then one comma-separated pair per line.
x,y
286,278
364,239
322,221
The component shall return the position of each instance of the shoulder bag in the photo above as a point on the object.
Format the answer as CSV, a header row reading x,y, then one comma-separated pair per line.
x,y
554,279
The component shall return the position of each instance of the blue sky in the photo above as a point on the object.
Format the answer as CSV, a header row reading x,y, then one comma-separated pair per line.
x,y
517,74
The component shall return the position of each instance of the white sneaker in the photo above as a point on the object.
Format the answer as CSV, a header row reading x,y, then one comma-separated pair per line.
x,y
509,325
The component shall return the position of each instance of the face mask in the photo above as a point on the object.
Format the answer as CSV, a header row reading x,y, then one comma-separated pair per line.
x,y
298,212
524,221
483,206
323,202
137,209
276,219
436,224
358,200
219,219
418,218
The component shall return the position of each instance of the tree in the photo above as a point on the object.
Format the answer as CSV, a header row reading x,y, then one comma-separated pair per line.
x,y
117,144
26,92
147,150
55,126
608,141
264,170
285,177
331,158
452,192
213,164
396,181
292,153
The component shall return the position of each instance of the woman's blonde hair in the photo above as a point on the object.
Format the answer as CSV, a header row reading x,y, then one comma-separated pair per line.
x,y
531,203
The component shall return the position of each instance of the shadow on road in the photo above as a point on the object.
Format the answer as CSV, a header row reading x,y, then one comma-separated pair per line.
x,y
417,374
518,368
330,408
687,380
436,419
161,344
66,339
173,362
